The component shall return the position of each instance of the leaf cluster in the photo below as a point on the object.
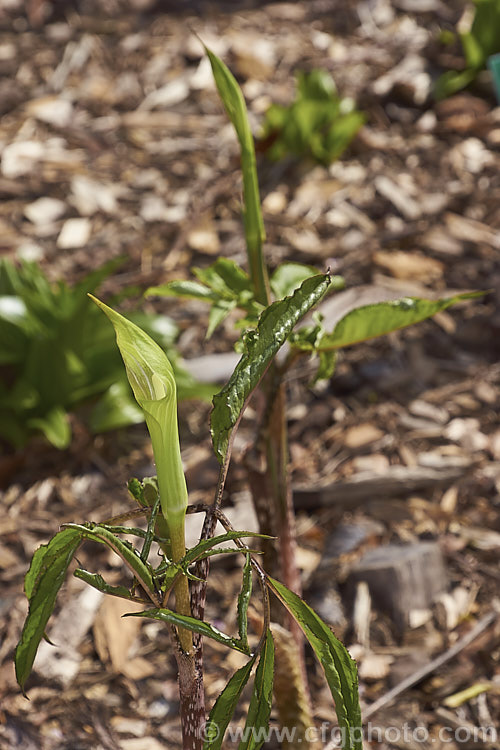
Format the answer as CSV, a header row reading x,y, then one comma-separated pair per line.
x,y
319,124
478,44
57,352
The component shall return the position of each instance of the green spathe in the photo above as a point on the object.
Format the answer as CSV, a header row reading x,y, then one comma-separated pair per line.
x,y
152,380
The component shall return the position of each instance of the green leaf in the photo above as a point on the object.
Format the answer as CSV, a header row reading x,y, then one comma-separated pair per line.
x,y
42,583
97,581
453,81
244,600
187,289
259,709
141,569
191,623
318,123
226,279
194,553
55,427
288,277
115,408
275,325
339,667
234,103
223,709
370,321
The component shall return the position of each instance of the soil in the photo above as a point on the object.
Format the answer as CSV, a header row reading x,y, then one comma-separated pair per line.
x,y
110,109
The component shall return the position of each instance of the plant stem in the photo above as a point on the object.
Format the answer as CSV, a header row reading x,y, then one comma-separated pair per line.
x,y
181,586
188,656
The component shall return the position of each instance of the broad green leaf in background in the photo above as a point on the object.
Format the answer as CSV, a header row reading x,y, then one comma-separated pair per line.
x,y
353,324
339,667
62,357
478,44
234,103
54,425
223,709
318,123
275,325
115,409
190,623
259,709
41,585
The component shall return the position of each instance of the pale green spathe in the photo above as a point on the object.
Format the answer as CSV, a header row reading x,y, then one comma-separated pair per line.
x,y
152,380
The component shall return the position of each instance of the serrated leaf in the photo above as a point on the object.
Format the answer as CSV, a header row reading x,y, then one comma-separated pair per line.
x,y
275,325
340,669
42,583
194,553
353,323
141,569
97,581
244,600
259,710
223,709
192,624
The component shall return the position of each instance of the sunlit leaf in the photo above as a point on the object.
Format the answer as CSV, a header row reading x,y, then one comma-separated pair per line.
x,y
259,709
223,709
97,581
275,325
141,569
339,667
244,600
234,103
354,323
192,624
42,583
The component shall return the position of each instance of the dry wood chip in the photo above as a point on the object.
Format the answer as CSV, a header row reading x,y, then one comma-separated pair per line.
x,y
51,109
375,666
45,210
469,230
115,635
62,661
467,433
412,266
142,743
204,237
361,435
399,198
74,233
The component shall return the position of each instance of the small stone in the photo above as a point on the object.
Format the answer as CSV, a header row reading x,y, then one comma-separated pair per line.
x,y
44,210
75,233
